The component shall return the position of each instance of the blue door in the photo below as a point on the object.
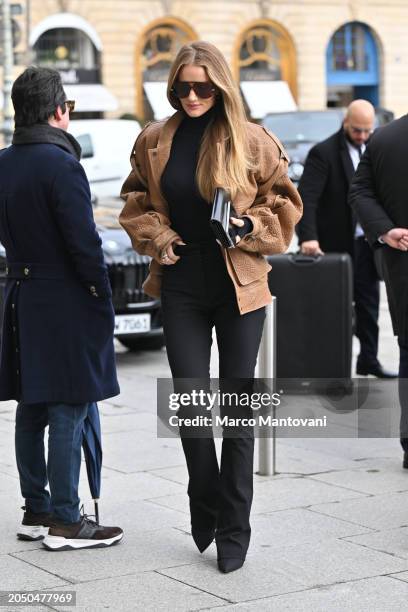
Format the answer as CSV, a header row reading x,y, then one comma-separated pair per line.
x,y
352,60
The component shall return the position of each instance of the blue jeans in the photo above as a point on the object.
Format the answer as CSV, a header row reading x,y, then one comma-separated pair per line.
x,y
65,422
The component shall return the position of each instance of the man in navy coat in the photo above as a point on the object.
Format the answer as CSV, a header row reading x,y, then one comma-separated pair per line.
x,y
57,352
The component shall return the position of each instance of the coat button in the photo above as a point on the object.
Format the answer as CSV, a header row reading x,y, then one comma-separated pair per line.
x,y
18,282
26,271
13,306
14,328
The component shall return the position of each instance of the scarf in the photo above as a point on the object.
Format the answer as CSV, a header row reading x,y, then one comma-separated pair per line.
x,y
43,133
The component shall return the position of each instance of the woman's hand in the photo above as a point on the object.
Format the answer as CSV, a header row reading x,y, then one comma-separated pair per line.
x,y
242,228
168,257
238,223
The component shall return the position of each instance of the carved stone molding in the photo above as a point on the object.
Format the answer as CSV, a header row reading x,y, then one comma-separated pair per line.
x,y
63,5
263,8
166,4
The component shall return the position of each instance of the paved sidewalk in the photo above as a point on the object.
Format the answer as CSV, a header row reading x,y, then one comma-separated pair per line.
x,y
330,531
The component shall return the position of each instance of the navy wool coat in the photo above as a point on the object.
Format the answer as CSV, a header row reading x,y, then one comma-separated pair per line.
x,y
57,338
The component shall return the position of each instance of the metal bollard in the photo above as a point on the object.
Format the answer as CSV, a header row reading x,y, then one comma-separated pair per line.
x,y
267,369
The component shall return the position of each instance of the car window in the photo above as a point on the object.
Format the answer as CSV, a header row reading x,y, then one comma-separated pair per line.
x,y
85,141
304,126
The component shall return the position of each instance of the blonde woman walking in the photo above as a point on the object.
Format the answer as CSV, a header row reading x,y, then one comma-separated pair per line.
x,y
176,166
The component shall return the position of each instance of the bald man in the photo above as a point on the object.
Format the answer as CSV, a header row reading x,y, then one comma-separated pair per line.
x,y
329,226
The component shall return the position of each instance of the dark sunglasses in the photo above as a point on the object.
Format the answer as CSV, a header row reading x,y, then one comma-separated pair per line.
x,y
70,104
181,89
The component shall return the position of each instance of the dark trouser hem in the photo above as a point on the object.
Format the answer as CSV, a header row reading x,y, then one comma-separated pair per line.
x,y
403,393
404,444
37,507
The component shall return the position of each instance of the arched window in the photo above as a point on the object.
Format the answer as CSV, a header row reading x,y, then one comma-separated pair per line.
x,y
352,65
157,48
69,44
265,53
260,55
66,48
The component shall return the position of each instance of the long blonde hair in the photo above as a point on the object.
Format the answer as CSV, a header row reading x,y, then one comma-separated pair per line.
x,y
224,159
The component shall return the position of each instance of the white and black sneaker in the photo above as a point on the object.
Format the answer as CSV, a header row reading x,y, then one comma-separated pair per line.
x,y
84,534
34,525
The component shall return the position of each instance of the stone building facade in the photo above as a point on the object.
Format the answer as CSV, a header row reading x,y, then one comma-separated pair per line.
x,y
326,52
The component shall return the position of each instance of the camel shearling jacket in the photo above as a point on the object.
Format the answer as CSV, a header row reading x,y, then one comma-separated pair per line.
x,y
273,205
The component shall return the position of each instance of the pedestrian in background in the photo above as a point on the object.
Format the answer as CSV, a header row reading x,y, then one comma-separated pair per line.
x,y
378,195
328,225
57,351
176,166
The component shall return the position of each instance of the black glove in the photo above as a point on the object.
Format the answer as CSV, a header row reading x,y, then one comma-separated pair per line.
x,y
234,230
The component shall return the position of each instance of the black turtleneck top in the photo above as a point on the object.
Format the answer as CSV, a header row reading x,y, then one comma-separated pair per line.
x,y
189,212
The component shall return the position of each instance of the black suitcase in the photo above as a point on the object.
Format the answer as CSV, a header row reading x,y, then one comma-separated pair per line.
x,y
314,316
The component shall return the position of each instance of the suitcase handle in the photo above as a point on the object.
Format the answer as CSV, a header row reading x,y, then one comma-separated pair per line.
x,y
304,260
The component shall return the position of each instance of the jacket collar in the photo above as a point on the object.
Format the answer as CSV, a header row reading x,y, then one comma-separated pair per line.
x,y
159,155
169,129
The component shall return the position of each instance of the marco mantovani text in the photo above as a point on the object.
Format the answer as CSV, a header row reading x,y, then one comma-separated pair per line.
x,y
260,420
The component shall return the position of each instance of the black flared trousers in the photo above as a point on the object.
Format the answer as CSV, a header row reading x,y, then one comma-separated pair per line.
x,y
197,295
367,302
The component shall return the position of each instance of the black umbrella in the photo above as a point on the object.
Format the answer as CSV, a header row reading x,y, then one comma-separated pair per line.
x,y
92,447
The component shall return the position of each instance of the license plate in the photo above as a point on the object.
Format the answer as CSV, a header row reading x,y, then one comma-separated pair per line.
x,y
132,324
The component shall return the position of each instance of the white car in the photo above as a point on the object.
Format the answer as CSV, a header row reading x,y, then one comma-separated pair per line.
x,y
106,146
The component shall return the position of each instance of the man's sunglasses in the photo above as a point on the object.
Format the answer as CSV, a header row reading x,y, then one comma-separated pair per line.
x,y
181,89
70,104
